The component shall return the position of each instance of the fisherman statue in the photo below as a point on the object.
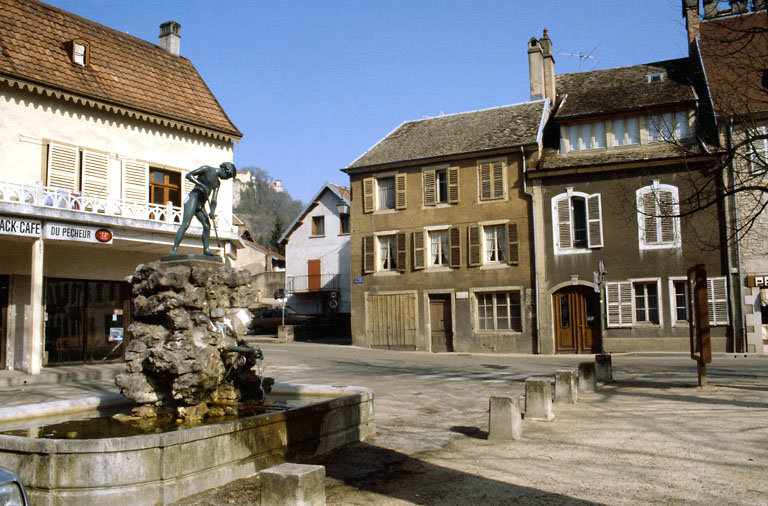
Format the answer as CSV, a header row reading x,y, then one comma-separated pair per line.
x,y
207,181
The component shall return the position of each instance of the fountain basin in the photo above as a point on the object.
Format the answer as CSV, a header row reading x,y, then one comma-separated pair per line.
x,y
163,468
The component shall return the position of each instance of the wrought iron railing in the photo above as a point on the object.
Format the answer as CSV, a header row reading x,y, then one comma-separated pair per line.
x,y
46,196
313,283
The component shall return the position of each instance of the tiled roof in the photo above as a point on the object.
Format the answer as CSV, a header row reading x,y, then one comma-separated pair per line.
x,y
123,71
624,89
343,191
456,134
553,159
735,54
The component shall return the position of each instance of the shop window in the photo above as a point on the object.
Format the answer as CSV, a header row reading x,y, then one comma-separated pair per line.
x,y
499,311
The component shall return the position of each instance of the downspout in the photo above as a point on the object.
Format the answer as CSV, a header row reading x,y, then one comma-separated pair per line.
x,y
738,311
535,249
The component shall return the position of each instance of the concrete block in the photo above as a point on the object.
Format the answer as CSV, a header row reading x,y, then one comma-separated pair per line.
x,y
505,422
587,380
538,399
603,368
285,332
565,386
293,485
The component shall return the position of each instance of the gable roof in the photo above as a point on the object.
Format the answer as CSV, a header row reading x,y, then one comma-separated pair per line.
x,y
455,134
340,191
624,89
734,50
124,72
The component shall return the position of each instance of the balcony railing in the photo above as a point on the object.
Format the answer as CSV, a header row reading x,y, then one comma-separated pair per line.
x,y
313,283
56,198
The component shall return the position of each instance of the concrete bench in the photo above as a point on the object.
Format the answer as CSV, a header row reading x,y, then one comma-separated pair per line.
x,y
587,379
293,485
565,386
538,399
505,422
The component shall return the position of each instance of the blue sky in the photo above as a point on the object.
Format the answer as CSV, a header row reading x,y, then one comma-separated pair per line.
x,y
313,84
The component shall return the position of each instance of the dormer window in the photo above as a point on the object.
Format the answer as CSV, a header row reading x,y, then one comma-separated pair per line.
x,y
80,52
657,77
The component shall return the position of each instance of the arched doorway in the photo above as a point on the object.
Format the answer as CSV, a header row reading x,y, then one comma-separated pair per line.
x,y
577,320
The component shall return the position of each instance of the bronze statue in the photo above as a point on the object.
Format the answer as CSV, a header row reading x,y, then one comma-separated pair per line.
x,y
206,180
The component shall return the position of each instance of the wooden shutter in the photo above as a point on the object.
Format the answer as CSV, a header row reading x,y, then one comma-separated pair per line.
x,y
667,215
512,243
454,237
563,223
135,181
400,191
473,245
401,252
453,185
625,298
717,300
498,180
484,176
418,249
95,173
368,256
369,197
62,167
594,222
186,185
650,233
430,193
619,304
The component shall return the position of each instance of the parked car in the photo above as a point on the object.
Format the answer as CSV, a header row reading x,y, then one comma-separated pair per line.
x,y
11,490
266,320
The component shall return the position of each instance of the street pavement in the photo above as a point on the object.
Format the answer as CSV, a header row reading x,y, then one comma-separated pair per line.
x,y
650,437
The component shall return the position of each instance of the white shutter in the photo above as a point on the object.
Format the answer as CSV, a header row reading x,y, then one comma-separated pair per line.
x,y
95,173
186,186
717,300
562,221
667,212
62,167
627,311
594,222
619,304
135,181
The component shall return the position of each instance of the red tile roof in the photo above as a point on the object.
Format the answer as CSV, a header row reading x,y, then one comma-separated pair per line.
x,y
123,71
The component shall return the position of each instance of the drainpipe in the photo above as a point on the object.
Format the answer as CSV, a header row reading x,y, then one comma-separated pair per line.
x,y
738,312
533,219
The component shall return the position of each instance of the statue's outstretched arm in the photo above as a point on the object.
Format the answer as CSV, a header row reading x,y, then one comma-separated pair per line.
x,y
212,202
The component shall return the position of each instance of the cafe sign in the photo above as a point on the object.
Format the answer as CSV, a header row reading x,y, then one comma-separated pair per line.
x,y
78,233
761,280
21,227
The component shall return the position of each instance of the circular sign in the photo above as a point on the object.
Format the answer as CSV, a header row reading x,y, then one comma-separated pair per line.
x,y
334,295
333,304
103,235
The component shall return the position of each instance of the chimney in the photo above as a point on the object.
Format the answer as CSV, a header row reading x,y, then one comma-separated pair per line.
x,y
541,68
739,6
710,9
170,37
691,15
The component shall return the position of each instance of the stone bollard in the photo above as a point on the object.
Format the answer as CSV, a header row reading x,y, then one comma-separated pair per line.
x,y
603,368
587,381
293,485
538,399
565,386
285,332
504,420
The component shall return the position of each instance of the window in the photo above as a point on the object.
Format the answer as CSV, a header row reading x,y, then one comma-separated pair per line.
x,y
646,300
499,311
657,77
668,126
577,222
344,223
318,225
679,300
439,248
658,216
164,187
491,180
625,131
633,302
717,300
495,244
386,188
384,192
586,136
79,52
387,253
441,186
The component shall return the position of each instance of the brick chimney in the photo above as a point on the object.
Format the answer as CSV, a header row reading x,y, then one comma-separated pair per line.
x,y
691,15
541,68
170,37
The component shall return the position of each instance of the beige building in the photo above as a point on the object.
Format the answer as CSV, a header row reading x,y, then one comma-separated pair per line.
x,y
97,130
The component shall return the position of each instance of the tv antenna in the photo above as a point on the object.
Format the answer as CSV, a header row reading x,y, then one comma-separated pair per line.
x,y
584,56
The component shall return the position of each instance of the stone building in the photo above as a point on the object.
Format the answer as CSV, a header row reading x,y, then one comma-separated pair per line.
x,y
97,130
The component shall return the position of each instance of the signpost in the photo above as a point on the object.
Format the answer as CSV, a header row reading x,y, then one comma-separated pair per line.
x,y
698,319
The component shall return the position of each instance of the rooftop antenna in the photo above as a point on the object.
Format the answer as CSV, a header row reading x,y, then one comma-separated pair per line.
x,y
584,56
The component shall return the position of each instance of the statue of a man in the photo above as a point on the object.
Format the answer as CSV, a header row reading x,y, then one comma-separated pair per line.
x,y
206,181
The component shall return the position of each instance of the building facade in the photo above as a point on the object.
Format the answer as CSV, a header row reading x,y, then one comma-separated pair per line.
x,y
97,130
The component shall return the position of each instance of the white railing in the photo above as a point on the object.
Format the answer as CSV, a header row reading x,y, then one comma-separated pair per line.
x,y
56,198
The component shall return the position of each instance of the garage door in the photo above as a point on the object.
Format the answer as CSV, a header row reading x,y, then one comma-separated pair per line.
x,y
391,321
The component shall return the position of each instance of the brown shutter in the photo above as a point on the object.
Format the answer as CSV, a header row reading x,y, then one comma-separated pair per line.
x,y
473,245
514,255
368,256
369,201
649,218
484,176
418,249
563,208
454,236
430,195
401,251
62,167
453,185
667,215
594,222
498,180
400,191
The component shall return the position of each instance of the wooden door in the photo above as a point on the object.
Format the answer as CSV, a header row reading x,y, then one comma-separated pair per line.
x,y
577,320
313,271
391,321
441,322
